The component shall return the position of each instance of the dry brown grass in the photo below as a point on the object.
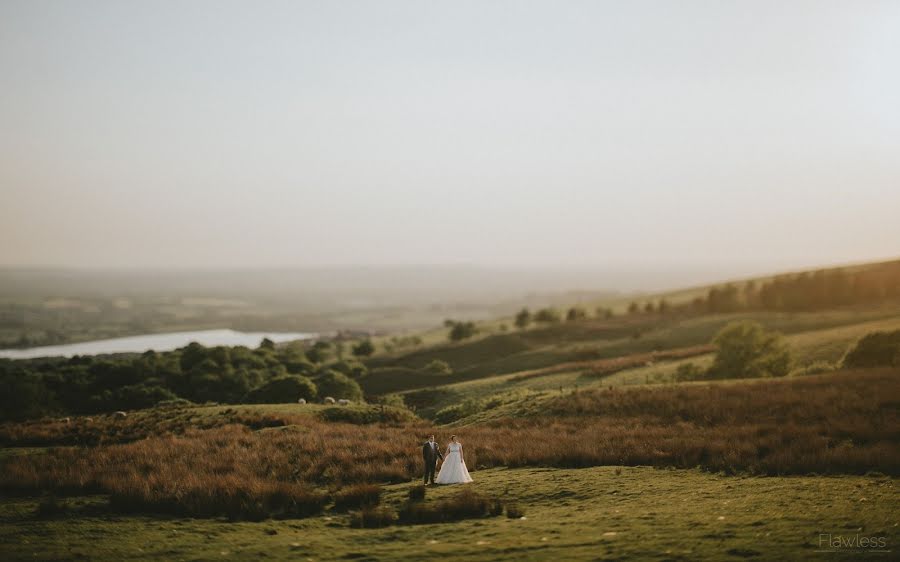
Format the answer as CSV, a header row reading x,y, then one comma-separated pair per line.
x,y
838,423
107,429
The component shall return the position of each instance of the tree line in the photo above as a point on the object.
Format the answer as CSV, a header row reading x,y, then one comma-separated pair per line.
x,y
195,373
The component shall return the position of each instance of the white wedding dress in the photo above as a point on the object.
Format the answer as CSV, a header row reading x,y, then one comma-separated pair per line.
x,y
453,470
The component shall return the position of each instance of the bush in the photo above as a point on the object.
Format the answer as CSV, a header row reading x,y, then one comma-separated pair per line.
x,y
282,390
523,318
139,396
338,385
575,314
546,316
745,349
353,369
373,518
364,348
458,411
462,330
438,367
878,349
357,496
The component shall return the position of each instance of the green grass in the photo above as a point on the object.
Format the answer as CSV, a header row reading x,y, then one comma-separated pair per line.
x,y
817,336
588,514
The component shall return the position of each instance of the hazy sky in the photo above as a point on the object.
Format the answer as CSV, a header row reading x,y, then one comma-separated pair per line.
x,y
527,133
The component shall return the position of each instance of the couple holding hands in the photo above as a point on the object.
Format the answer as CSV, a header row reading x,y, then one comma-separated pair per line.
x,y
453,470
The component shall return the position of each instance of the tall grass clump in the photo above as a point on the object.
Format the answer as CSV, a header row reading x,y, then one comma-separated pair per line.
x,y
357,496
373,517
466,504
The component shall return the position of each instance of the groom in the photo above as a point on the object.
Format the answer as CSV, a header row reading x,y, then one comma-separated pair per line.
x,y
431,452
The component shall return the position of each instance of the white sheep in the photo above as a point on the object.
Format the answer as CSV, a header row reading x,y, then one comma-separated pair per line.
x,y
67,420
120,415
89,420
343,402
328,400
301,401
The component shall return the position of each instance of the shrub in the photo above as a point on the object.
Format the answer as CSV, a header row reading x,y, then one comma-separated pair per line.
x,y
364,348
523,318
438,367
546,316
878,349
282,390
575,314
357,496
456,412
353,369
338,385
462,330
373,518
745,349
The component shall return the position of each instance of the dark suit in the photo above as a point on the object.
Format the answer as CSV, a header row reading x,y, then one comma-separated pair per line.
x,y
431,455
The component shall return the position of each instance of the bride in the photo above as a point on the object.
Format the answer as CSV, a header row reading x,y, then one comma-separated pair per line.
x,y
453,469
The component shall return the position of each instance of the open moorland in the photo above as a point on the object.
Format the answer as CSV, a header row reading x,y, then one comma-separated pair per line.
x,y
757,425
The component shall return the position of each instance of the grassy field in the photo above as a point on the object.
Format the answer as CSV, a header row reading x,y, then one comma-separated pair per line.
x,y
603,513
583,442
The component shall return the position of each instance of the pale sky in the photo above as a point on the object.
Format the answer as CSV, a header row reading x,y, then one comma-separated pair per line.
x,y
269,133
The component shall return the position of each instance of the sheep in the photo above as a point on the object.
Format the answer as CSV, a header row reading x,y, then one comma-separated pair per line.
x,y
301,401
67,420
89,420
120,415
343,402
328,400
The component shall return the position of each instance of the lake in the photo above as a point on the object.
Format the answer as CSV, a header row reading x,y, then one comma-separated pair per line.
x,y
156,342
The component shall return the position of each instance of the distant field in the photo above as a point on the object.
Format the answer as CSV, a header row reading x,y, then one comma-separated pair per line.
x,y
558,355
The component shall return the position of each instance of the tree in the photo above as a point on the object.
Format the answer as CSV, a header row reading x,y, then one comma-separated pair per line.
x,y
266,343
546,316
523,319
353,369
282,390
319,352
745,349
338,385
575,314
462,330
634,308
363,349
